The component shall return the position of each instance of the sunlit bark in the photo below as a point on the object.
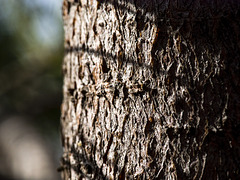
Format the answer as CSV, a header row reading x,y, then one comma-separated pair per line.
x,y
151,90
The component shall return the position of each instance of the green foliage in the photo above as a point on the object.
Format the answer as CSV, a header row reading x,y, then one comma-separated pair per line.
x,y
31,51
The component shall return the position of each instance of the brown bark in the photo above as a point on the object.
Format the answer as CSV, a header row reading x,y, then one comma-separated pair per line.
x,y
151,90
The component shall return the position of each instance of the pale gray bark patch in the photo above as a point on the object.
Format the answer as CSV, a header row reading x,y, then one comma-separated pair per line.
x,y
151,90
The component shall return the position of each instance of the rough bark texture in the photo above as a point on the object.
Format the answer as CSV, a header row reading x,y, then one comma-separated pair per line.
x,y
151,89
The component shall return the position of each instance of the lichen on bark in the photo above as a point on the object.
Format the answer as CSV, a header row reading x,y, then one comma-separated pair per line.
x,y
151,90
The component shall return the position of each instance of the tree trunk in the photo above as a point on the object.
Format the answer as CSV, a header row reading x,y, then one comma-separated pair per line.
x,y
151,89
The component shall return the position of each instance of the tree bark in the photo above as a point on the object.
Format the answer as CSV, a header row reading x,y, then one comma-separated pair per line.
x,y
151,89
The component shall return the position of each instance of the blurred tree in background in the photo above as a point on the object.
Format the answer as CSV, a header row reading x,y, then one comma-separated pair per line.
x,y
31,50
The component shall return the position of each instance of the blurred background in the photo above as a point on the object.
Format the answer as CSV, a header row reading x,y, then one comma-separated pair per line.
x,y
31,52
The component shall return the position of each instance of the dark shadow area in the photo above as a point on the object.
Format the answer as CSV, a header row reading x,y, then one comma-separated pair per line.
x,y
110,57
189,10
85,167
